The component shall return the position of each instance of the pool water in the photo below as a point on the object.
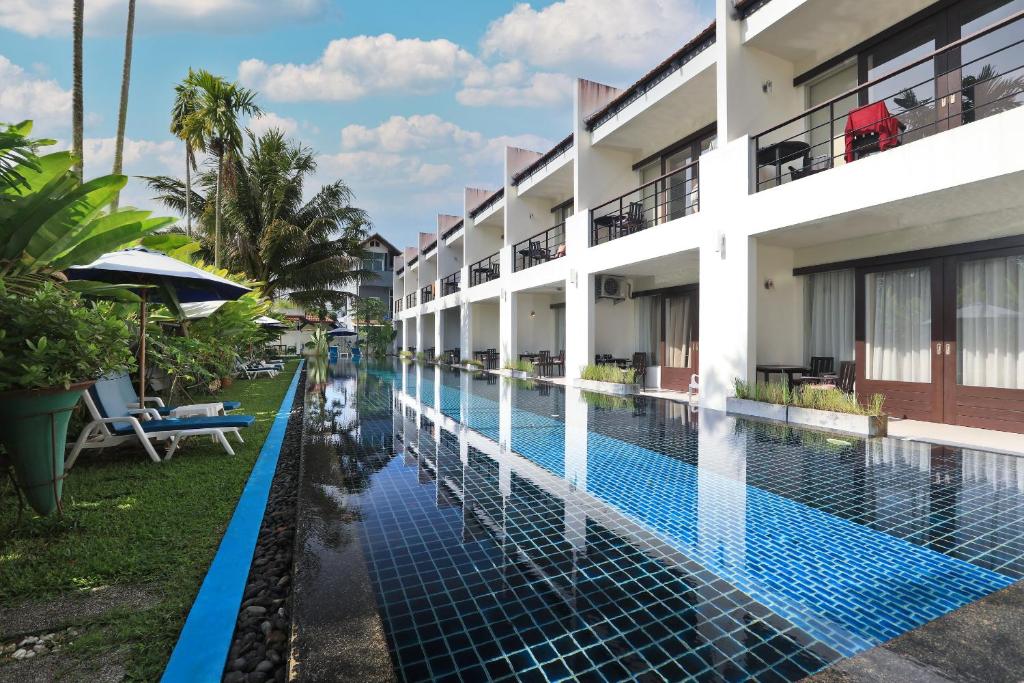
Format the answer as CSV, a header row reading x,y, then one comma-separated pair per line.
x,y
524,531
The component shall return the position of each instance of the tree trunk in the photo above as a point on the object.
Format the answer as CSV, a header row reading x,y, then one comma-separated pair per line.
x,y
122,115
76,89
216,213
188,192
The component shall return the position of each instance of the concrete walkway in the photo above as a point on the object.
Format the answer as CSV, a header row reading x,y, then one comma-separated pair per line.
x,y
955,435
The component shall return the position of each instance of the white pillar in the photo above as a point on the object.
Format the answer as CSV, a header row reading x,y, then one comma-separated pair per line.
x,y
420,341
579,322
466,331
508,314
576,416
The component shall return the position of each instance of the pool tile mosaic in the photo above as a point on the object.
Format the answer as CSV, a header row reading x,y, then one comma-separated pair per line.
x,y
505,545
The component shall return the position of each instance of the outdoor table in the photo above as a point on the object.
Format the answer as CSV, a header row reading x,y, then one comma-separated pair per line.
x,y
535,255
780,152
788,370
529,356
612,221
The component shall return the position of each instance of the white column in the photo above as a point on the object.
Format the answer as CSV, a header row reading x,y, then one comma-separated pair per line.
x,y
508,318
466,331
438,321
579,322
505,414
420,341
576,416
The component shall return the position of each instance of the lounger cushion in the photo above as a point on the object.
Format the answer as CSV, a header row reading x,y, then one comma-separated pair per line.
x,y
186,423
228,405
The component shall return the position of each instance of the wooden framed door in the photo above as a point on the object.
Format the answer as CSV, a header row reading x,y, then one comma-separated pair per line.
x,y
680,341
983,340
899,337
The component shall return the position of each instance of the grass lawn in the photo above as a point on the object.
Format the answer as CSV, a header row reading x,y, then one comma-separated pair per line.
x,y
128,521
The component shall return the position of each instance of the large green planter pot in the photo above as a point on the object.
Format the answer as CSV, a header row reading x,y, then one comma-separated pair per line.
x,y
34,430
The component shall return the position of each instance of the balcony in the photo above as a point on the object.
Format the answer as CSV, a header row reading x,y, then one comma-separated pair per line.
x,y
541,248
744,8
427,294
673,195
451,284
410,300
398,306
904,105
485,270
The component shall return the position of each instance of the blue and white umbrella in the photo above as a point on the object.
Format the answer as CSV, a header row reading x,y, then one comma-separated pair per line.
x,y
160,278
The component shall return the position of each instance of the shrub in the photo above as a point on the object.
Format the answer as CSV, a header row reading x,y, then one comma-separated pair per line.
x,y
405,354
472,363
608,373
830,399
521,365
421,357
606,401
771,392
51,337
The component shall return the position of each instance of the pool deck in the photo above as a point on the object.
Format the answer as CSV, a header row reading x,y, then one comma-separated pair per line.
x,y
982,641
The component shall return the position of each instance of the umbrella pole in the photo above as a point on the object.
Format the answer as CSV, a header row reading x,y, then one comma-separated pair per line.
x,y
142,351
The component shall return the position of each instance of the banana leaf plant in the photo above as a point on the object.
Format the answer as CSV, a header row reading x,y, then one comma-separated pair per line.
x,y
50,220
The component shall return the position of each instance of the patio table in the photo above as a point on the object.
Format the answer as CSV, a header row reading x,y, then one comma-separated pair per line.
x,y
787,369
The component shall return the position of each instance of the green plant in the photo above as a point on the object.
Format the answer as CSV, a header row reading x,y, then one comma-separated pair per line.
x,y
53,338
608,373
405,354
420,357
521,365
371,317
771,392
836,401
473,363
50,220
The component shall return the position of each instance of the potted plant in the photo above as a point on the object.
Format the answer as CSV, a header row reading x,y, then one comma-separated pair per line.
x,y
53,346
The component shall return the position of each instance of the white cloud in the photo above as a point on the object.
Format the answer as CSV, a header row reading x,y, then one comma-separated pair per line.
x,y
269,119
139,157
105,17
350,68
493,152
510,84
370,168
401,133
23,96
593,32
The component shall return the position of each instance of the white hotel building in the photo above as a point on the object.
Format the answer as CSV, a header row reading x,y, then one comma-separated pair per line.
x,y
838,179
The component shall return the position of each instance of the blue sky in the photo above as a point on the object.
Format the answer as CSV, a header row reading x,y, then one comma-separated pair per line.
x,y
406,101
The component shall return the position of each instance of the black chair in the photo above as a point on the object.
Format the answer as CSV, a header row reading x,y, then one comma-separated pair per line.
x,y
543,363
821,368
558,363
640,367
847,376
634,218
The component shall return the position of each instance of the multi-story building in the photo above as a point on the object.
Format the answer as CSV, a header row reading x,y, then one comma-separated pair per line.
x,y
803,179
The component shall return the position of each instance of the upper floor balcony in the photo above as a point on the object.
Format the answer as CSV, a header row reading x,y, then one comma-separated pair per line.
x,y
485,270
451,284
398,306
907,87
541,248
410,300
670,196
427,294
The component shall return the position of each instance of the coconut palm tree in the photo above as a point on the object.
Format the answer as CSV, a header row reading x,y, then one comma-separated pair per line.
x,y
122,114
305,250
77,26
220,105
185,128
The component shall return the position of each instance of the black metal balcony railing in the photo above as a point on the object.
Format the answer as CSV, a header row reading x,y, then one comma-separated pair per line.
x,y
400,271
398,305
427,294
827,135
673,195
410,300
484,270
452,230
541,248
451,284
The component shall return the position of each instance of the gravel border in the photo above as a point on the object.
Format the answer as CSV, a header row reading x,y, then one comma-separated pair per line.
x,y
259,647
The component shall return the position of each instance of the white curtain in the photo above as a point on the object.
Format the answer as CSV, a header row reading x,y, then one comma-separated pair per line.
x,y
647,314
559,330
990,322
898,331
677,331
830,300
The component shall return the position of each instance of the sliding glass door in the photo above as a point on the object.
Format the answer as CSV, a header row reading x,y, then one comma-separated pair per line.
x,y
679,353
943,339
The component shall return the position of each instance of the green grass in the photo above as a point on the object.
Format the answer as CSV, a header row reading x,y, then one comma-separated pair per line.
x,y
608,373
808,397
130,521
521,365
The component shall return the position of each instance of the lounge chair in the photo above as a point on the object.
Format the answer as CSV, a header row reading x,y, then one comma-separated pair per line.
x,y
123,385
254,371
113,422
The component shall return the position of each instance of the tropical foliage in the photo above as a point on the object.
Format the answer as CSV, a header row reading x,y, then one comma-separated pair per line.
x,y
51,337
608,373
815,398
375,331
307,250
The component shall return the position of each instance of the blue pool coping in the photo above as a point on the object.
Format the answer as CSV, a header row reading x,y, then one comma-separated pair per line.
x,y
202,648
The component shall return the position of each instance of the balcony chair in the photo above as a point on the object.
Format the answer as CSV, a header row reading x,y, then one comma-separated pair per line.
x,y
543,363
821,370
634,219
113,422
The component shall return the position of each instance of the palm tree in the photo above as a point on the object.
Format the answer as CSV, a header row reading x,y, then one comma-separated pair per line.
x,y
76,89
183,125
305,250
216,117
122,114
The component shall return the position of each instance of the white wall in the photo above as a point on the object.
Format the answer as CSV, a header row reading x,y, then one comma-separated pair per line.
x,y
615,329
538,332
485,321
780,310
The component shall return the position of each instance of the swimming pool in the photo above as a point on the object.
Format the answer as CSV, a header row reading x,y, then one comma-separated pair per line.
x,y
524,531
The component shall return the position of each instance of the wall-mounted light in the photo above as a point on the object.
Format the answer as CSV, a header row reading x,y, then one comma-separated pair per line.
x,y
533,314
766,87
769,284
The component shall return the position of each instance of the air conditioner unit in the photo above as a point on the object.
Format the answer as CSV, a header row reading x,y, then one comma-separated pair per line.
x,y
609,287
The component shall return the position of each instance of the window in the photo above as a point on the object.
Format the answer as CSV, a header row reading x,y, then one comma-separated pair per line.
x,y
676,196
828,140
375,263
563,211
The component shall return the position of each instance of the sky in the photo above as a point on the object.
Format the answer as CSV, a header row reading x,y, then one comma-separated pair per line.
x,y
407,102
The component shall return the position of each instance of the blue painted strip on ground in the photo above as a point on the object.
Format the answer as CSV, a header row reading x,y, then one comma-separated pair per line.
x,y
202,648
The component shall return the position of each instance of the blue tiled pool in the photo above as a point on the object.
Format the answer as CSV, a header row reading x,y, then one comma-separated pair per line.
x,y
528,532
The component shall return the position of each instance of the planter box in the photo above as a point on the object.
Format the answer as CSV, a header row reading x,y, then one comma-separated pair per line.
x,y
613,388
863,425
514,374
765,411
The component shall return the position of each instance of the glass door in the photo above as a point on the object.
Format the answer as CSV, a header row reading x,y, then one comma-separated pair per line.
x,y
679,348
984,347
899,338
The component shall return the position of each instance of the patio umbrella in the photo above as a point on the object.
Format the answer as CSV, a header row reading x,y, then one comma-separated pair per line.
x,y
270,323
165,279
341,332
